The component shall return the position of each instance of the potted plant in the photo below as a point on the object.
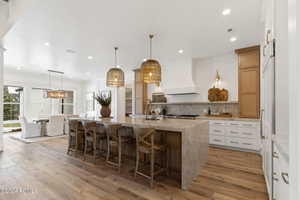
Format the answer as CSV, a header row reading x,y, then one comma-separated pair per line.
x,y
104,99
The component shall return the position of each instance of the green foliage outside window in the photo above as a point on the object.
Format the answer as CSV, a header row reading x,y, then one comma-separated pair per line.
x,y
11,107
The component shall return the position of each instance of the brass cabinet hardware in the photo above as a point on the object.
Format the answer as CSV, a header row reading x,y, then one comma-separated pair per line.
x,y
275,155
285,177
261,124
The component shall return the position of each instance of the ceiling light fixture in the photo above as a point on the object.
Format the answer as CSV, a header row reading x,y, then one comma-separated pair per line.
x,y
151,69
47,44
226,11
56,93
233,39
19,68
180,51
90,57
115,76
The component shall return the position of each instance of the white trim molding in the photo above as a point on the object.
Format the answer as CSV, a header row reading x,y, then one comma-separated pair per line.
x,y
1,95
294,97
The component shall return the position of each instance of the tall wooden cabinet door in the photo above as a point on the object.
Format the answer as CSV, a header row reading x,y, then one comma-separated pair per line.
x,y
249,59
249,92
140,93
249,81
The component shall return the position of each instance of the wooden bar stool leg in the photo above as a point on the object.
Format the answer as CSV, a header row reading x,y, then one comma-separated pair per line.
x,y
152,167
137,163
120,153
85,149
94,150
167,162
76,145
69,145
108,149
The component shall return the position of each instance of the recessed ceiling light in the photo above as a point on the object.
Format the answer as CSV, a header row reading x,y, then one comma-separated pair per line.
x,y
71,51
233,39
90,57
226,11
180,51
47,44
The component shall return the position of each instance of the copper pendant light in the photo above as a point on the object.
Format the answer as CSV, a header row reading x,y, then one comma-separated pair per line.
x,y
151,69
115,76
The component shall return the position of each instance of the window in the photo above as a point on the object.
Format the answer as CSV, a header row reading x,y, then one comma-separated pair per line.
x,y
12,102
67,104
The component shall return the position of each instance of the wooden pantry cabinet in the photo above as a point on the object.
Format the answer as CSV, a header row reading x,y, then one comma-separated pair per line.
x,y
249,81
139,93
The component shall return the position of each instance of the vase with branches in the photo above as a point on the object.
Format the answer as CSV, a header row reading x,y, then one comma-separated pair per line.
x,y
104,99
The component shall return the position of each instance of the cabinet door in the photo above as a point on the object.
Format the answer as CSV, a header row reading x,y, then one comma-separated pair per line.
x,y
249,92
249,59
140,93
283,193
249,81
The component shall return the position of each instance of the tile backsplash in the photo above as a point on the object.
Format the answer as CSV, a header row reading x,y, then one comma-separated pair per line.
x,y
199,108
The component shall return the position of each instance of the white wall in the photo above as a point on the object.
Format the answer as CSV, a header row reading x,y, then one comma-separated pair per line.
x,y
34,80
204,72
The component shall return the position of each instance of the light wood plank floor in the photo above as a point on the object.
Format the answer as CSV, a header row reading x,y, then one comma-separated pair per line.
x,y
51,174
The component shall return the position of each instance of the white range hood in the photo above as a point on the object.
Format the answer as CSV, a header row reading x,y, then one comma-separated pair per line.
x,y
178,78
182,91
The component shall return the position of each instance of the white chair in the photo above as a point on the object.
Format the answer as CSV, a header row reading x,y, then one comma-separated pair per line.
x,y
66,125
55,127
29,130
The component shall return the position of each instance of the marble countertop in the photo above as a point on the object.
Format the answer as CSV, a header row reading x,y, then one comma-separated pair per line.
x,y
228,118
163,124
194,102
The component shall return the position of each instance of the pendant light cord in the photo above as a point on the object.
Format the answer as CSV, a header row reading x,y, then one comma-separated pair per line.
x,y
50,85
151,36
116,60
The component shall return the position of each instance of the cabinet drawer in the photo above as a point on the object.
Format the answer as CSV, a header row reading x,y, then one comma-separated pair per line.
x,y
217,130
217,123
234,124
242,132
249,124
249,133
216,139
243,143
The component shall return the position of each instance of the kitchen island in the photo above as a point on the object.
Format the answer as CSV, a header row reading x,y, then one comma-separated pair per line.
x,y
187,139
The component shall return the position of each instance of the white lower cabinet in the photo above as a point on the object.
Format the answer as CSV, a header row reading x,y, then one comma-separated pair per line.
x,y
280,176
234,133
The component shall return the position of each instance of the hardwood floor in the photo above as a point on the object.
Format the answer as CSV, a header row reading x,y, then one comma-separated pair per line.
x,y
48,173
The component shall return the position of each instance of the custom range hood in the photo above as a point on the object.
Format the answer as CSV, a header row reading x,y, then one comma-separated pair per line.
x,y
178,78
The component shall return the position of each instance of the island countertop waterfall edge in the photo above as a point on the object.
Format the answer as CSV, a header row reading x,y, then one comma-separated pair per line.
x,y
194,134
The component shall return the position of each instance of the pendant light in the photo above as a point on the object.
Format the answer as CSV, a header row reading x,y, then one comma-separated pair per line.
x,y
151,69
56,93
115,76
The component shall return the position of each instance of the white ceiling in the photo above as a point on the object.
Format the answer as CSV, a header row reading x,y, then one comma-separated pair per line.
x,y
94,27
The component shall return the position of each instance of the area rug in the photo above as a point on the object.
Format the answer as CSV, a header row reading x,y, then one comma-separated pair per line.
x,y
17,136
